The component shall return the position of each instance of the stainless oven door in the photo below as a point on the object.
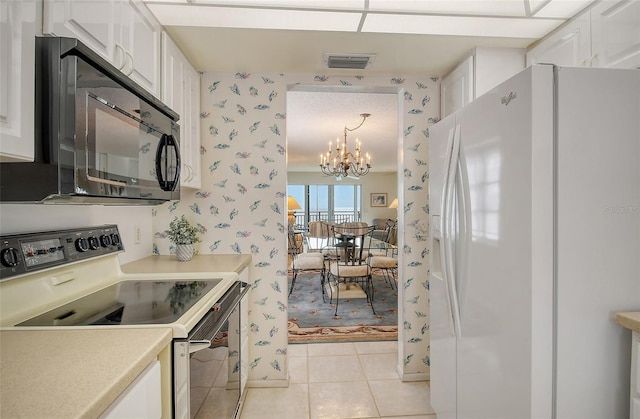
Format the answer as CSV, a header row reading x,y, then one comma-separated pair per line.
x,y
215,338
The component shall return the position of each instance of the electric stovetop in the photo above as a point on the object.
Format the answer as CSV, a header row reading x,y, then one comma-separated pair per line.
x,y
129,302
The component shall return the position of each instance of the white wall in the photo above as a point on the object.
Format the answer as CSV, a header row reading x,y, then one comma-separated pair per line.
x,y
241,207
23,218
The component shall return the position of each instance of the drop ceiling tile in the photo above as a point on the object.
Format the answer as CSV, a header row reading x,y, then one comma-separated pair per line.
x,y
562,8
231,17
465,26
292,4
466,7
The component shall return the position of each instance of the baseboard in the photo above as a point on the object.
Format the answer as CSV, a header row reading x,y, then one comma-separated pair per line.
x,y
268,383
420,376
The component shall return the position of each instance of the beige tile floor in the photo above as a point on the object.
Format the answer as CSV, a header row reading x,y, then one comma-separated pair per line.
x,y
341,380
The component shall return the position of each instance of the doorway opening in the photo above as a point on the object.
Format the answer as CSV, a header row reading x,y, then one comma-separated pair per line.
x,y
317,115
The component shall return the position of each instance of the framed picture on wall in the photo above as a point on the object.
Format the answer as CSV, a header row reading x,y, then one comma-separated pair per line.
x,y
378,199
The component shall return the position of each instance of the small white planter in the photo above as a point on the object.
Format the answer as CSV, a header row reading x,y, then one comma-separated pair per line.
x,y
184,252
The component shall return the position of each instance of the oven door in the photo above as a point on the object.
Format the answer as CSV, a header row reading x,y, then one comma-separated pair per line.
x,y
207,363
125,147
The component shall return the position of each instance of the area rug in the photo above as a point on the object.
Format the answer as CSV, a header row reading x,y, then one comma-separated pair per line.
x,y
312,320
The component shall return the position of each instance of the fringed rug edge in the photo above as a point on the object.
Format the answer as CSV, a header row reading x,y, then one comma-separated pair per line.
x,y
340,333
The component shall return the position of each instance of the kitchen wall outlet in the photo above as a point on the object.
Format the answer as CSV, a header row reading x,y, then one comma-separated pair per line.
x,y
137,235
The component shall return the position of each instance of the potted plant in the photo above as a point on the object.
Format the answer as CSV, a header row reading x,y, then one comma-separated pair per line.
x,y
183,235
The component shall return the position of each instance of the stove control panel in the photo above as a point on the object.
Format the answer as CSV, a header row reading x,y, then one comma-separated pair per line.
x,y
30,252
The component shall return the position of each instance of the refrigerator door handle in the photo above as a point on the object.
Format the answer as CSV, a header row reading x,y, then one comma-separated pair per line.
x,y
447,231
463,237
445,181
443,223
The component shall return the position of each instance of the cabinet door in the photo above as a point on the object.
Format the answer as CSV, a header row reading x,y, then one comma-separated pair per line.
x,y
140,42
615,34
492,66
181,92
142,399
570,46
456,89
19,23
191,128
93,22
172,75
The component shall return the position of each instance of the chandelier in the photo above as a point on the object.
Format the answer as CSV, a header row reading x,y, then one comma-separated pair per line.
x,y
346,163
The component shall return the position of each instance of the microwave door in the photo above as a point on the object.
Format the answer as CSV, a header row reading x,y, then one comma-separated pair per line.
x,y
120,145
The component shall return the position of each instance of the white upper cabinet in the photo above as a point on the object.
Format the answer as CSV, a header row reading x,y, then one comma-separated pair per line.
x,y
607,36
140,41
19,24
124,32
569,47
191,128
92,22
481,71
456,88
615,29
181,92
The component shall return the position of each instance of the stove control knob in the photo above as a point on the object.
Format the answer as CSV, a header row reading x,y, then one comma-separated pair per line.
x,y
93,243
115,238
82,245
9,257
105,240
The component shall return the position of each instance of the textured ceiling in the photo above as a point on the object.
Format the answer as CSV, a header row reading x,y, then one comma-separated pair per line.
x,y
315,118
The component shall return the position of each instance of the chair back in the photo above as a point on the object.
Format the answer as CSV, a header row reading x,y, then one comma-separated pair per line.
x,y
390,231
294,245
319,235
352,241
385,244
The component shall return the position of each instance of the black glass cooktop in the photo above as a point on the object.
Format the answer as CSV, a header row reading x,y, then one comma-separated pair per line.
x,y
127,303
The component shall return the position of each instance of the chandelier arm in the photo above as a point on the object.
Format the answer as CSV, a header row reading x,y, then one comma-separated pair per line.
x,y
364,118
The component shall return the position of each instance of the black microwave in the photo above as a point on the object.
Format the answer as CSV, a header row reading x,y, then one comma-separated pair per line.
x,y
99,136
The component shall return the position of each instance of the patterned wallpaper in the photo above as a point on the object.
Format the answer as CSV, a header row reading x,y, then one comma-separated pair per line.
x,y
241,207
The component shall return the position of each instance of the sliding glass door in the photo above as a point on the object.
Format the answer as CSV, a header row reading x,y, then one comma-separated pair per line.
x,y
335,203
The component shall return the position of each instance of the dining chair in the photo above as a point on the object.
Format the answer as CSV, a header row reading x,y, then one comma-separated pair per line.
x,y
383,254
348,263
318,235
304,261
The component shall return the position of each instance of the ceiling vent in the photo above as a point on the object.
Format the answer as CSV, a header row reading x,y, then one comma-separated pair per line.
x,y
348,61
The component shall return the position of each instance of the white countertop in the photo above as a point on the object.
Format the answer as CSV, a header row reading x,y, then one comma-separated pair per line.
x,y
199,263
72,373
629,320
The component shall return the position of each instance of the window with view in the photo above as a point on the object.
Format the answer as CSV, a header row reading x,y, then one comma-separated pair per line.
x,y
336,203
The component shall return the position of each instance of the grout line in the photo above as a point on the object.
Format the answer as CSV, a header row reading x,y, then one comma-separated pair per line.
x,y
368,385
308,383
194,415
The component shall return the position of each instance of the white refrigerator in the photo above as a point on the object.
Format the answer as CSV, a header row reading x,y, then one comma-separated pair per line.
x,y
535,233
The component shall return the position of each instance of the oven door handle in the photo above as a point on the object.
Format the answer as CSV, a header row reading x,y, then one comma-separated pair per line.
x,y
198,345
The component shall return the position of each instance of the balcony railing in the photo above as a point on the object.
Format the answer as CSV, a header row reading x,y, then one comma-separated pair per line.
x,y
337,217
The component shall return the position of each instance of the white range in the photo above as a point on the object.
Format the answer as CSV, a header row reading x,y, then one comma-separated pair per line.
x,y
71,279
